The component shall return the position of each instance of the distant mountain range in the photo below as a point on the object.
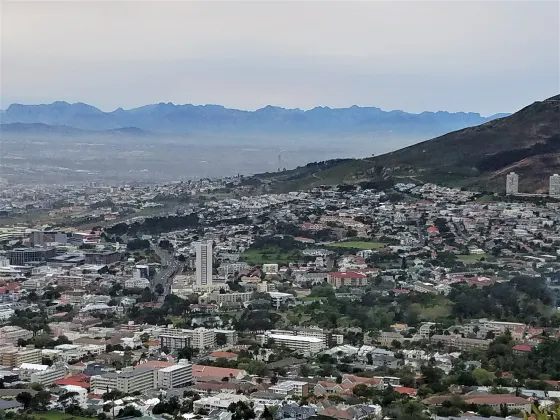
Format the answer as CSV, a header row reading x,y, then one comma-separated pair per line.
x,y
188,119
527,142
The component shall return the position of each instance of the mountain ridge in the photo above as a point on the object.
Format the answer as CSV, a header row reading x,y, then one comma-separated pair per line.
x,y
188,118
527,141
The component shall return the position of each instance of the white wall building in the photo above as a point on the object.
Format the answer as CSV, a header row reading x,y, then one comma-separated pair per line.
x,y
203,262
554,186
306,345
176,376
512,183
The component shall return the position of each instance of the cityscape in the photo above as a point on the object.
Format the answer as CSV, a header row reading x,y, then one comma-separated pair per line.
x,y
280,210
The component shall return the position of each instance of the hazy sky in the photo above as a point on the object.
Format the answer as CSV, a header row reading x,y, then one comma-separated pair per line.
x,y
444,55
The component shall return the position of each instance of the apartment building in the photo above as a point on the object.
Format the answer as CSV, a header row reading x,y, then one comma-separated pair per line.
x,y
102,257
298,388
202,338
225,298
329,339
47,376
14,357
71,281
176,376
140,379
347,278
305,345
459,342
11,334
175,342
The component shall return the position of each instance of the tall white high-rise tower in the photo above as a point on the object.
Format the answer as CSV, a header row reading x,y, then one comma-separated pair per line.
x,y
512,183
554,186
203,263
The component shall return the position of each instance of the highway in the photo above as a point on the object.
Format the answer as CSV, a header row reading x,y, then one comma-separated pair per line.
x,y
164,275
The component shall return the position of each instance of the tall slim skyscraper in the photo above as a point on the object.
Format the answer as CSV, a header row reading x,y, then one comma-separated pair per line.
x,y
554,186
203,263
512,183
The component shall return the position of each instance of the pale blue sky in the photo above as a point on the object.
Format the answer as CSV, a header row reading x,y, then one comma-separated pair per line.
x,y
450,55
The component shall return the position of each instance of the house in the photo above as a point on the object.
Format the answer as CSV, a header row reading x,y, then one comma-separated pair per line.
x,y
522,349
295,411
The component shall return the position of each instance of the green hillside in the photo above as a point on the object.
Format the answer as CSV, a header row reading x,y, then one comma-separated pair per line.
x,y
527,142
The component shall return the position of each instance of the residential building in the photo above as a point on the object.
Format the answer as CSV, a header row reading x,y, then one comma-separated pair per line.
x,y
11,334
305,345
140,379
225,298
554,186
176,376
203,263
218,402
512,183
175,342
14,357
203,338
297,388
48,376
346,278
102,257
456,341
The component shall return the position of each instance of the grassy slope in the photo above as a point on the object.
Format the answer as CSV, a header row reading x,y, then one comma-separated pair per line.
x,y
454,159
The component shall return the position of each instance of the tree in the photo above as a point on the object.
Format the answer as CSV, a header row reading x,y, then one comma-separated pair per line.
x,y
221,339
129,411
159,289
24,398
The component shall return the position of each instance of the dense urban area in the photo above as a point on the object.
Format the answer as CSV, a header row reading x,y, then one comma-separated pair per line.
x,y
222,300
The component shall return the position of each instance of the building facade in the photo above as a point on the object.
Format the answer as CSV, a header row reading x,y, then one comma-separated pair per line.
x,y
512,183
554,186
203,262
176,376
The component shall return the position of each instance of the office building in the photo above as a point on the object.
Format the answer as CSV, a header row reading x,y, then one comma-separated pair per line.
x,y
203,263
554,187
102,257
176,376
21,256
512,183
137,380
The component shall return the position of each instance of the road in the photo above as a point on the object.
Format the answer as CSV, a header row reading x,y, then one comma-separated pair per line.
x,y
165,275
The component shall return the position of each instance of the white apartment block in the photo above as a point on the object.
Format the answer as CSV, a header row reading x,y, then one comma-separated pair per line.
x,y
554,186
48,376
220,401
512,183
136,283
298,388
14,357
203,262
305,345
202,338
71,281
11,334
176,376
221,298
140,379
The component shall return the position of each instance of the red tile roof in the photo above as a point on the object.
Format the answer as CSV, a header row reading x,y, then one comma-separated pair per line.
x,y
523,347
223,354
405,390
201,371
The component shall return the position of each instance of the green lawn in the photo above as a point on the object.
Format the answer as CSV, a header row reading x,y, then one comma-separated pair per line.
x,y
359,244
270,256
55,415
471,258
